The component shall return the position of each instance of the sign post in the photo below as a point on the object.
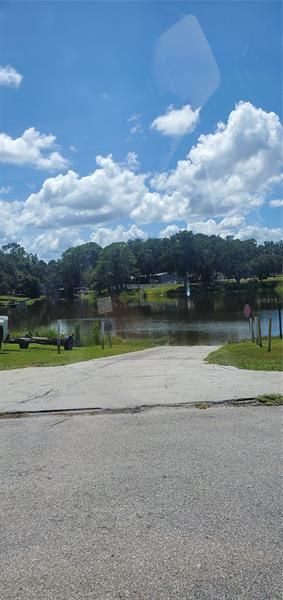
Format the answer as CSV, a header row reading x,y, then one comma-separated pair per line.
x,y
102,334
256,330
58,338
104,306
269,334
248,314
280,321
259,331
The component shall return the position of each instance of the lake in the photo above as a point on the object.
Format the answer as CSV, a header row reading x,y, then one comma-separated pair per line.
x,y
206,318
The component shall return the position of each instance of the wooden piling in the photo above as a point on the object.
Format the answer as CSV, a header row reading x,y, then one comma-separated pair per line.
x,y
259,333
280,322
269,334
256,330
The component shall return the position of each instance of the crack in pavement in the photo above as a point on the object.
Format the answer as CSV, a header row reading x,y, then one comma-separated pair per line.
x,y
37,396
98,410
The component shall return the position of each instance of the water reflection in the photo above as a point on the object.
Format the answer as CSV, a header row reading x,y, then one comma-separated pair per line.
x,y
204,318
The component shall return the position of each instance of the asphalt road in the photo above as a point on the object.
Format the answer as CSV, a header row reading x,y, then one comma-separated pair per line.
x,y
165,375
167,504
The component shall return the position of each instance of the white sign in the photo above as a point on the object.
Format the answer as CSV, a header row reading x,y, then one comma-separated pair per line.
x,y
104,305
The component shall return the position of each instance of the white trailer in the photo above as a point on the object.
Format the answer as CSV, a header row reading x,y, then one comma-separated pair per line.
x,y
4,328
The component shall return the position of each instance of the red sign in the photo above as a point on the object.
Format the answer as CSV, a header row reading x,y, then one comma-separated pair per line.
x,y
247,311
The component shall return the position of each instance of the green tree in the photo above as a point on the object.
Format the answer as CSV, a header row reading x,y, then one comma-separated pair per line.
x,y
76,264
115,267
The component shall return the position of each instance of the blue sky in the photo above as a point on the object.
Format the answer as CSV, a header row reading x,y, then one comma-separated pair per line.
x,y
137,84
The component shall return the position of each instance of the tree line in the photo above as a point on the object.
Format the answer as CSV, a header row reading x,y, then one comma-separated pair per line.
x,y
203,258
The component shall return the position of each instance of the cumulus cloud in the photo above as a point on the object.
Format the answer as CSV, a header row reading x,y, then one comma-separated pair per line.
x,y
177,121
10,77
276,203
226,226
261,234
52,243
111,192
223,178
169,231
132,161
234,226
32,148
9,220
105,235
230,170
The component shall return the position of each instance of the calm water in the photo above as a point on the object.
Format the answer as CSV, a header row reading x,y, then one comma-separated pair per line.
x,y
207,318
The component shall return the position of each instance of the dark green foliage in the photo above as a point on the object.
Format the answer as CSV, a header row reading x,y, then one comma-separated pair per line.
x,y
75,268
115,267
21,273
203,258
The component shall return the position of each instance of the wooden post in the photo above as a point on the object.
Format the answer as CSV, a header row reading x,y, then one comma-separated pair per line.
x,y
58,338
102,333
251,321
259,332
256,330
280,322
269,334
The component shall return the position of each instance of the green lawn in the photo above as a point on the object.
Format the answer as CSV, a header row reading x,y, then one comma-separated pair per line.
x,y
29,301
12,357
151,292
155,292
247,355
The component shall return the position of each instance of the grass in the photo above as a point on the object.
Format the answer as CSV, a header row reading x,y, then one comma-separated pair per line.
x,y
247,355
12,357
271,399
272,285
129,296
157,292
151,292
201,405
90,296
29,301
279,289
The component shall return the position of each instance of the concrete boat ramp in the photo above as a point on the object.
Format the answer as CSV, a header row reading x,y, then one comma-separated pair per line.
x,y
170,375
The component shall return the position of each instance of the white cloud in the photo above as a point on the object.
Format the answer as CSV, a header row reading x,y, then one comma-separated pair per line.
x,y
112,191
237,227
169,231
105,235
230,170
135,117
223,178
132,161
136,129
6,189
177,121
10,77
9,220
261,234
53,243
32,148
226,226
276,203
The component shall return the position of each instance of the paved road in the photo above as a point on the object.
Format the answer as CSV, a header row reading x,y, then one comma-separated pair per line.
x,y
163,375
169,504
